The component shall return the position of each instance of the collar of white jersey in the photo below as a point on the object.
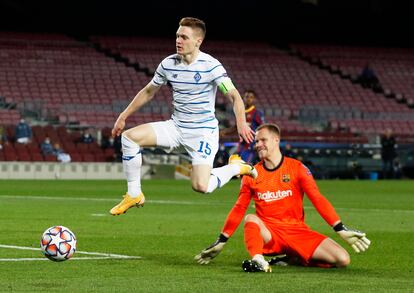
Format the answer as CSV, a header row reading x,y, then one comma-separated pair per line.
x,y
198,58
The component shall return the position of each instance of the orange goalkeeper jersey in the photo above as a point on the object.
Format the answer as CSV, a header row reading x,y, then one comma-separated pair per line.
x,y
278,196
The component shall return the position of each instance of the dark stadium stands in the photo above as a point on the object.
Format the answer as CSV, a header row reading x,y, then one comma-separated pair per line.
x,y
68,80
393,106
74,85
9,116
68,139
394,66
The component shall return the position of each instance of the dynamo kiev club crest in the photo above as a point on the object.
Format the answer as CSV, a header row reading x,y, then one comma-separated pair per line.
x,y
197,77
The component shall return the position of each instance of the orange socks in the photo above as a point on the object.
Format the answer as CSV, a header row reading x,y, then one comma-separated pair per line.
x,y
253,239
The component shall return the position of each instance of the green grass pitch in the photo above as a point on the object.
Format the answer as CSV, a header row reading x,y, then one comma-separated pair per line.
x,y
176,223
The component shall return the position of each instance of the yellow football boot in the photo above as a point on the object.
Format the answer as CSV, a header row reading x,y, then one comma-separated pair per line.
x,y
126,203
245,168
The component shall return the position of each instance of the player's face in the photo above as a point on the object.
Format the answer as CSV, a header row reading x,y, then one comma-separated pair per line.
x,y
187,40
266,143
248,99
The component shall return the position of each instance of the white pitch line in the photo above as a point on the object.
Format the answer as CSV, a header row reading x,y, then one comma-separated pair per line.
x,y
73,258
99,255
37,197
105,199
18,247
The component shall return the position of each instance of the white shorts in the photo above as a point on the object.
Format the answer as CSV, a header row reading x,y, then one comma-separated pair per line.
x,y
200,144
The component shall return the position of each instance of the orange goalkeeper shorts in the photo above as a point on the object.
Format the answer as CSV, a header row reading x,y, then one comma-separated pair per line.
x,y
297,240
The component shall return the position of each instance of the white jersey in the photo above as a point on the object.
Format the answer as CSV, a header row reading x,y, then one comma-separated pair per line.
x,y
194,89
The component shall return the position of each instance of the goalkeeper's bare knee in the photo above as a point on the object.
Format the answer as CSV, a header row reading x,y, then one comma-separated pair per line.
x,y
342,259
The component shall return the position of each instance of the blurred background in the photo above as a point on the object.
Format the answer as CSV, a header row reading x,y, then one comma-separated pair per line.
x,y
337,76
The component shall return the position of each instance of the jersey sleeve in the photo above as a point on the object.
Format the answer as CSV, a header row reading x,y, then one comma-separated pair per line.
x,y
236,214
322,205
219,74
160,77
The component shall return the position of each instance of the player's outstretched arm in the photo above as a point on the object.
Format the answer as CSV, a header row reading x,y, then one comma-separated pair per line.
x,y
233,220
355,238
207,254
143,97
243,129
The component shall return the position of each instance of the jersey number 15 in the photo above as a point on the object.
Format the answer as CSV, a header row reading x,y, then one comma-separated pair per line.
x,y
204,148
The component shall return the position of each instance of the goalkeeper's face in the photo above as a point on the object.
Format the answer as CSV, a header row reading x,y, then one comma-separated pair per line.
x,y
188,40
267,143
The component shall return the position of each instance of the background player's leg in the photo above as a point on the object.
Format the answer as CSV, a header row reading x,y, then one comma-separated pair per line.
x,y
332,253
244,154
132,141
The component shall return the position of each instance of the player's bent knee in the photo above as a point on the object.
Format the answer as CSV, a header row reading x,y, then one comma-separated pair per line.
x,y
199,187
251,218
343,260
127,134
142,135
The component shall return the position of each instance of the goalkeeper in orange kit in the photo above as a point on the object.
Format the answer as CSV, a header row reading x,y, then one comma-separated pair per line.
x,y
278,227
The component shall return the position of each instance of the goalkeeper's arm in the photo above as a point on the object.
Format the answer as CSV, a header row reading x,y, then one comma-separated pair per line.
x,y
355,238
233,220
207,254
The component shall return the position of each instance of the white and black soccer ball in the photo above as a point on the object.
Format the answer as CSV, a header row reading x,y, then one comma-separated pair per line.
x,y
58,243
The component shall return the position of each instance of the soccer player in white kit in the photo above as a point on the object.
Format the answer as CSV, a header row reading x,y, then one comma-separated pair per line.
x,y
194,77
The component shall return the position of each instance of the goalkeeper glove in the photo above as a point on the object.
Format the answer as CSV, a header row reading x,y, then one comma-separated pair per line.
x,y
355,238
206,255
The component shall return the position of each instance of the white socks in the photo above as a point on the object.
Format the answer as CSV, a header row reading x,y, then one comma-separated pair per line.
x,y
263,264
132,162
220,176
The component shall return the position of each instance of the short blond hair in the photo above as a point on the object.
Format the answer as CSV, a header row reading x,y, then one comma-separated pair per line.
x,y
194,23
272,127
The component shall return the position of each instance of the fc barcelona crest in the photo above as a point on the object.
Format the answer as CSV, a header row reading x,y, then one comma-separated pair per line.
x,y
286,178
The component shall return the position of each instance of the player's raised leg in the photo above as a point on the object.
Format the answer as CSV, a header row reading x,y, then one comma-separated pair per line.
x,y
245,168
205,179
202,147
132,142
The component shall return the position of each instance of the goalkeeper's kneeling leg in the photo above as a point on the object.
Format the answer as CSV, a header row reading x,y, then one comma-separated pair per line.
x,y
332,253
342,259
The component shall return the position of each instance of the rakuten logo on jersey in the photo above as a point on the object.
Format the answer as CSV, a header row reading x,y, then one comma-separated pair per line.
x,y
271,195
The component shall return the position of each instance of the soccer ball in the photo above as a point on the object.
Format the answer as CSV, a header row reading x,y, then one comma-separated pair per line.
x,y
58,243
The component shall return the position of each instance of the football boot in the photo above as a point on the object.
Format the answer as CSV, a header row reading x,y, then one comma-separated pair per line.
x,y
127,203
